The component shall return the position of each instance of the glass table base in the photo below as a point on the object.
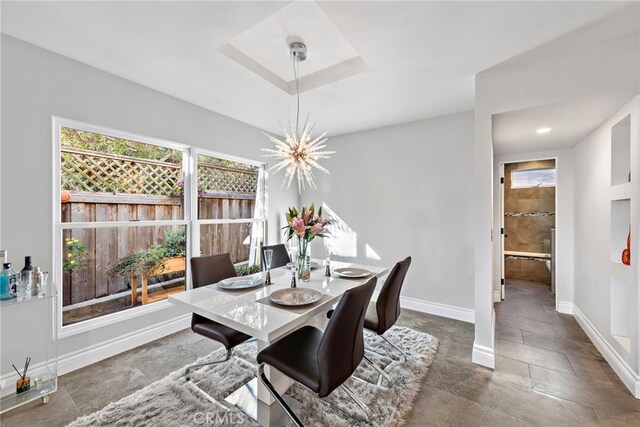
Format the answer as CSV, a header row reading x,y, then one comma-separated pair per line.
x,y
246,399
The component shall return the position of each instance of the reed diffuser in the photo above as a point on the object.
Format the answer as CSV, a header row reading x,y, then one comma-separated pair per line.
x,y
24,383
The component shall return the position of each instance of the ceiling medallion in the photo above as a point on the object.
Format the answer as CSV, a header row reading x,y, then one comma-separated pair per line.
x,y
298,153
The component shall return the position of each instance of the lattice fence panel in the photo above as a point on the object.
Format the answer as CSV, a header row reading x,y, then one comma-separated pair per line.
x,y
85,171
82,172
211,178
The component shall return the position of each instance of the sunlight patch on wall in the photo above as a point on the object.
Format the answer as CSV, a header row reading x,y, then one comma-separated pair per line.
x,y
371,254
344,241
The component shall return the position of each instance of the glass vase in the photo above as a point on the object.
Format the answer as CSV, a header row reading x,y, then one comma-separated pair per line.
x,y
304,261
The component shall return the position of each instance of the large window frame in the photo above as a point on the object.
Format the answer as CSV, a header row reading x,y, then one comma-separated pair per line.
x,y
260,218
190,216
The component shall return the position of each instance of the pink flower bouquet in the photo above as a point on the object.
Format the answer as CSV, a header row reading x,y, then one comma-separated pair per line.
x,y
306,225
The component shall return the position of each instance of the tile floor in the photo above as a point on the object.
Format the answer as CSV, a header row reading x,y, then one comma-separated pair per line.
x,y
547,373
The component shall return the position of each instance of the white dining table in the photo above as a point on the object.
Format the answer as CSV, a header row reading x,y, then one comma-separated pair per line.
x,y
248,312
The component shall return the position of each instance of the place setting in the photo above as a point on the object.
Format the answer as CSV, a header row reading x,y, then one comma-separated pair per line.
x,y
241,284
295,300
351,272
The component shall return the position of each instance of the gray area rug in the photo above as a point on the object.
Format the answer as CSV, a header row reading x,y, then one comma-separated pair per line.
x,y
172,401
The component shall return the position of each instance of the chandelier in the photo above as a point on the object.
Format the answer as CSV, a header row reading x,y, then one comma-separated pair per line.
x,y
298,153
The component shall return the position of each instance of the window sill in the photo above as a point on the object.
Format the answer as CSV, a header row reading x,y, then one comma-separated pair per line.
x,y
110,319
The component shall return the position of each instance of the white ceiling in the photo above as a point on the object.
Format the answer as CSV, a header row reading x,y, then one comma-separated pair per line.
x,y
262,48
421,56
570,123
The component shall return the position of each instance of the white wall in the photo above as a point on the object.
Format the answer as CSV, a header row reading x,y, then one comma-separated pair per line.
x,y
596,59
593,266
408,190
564,220
37,84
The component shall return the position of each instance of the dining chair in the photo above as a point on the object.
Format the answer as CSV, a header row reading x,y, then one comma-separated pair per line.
x,y
321,361
382,315
279,258
206,270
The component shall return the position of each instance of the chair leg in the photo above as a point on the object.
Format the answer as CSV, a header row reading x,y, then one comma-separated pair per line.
x,y
404,355
382,374
277,396
353,397
192,367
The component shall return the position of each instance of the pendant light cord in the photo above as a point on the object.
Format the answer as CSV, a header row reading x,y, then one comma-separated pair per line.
x,y
295,74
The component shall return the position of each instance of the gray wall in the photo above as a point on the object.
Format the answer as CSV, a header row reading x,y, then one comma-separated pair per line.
x,y
594,270
417,181
37,84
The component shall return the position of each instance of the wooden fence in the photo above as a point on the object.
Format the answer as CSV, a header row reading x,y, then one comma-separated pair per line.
x,y
106,245
221,238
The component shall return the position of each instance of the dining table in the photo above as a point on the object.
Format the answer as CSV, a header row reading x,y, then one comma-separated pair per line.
x,y
252,312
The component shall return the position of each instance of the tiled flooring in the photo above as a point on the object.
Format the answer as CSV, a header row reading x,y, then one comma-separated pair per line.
x,y
547,373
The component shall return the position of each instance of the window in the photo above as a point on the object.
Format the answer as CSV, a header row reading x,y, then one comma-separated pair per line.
x,y
230,211
128,214
527,178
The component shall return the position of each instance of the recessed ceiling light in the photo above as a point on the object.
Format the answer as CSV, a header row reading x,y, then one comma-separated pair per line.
x,y
543,130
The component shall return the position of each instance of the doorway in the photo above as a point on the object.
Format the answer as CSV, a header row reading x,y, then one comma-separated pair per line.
x,y
527,230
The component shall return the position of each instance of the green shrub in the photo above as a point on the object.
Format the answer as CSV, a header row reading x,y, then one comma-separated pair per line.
x,y
245,269
141,263
76,256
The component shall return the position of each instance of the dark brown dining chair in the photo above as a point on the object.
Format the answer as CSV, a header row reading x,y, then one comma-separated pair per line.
x,y
280,256
382,315
206,270
321,361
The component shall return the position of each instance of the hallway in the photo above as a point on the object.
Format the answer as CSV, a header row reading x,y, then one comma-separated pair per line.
x,y
561,359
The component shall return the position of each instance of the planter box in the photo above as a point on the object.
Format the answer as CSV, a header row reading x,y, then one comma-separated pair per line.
x,y
166,266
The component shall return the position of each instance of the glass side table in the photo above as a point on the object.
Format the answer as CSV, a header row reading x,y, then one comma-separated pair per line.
x,y
28,328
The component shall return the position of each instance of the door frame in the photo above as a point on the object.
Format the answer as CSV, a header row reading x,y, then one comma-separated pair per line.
x,y
503,292
501,183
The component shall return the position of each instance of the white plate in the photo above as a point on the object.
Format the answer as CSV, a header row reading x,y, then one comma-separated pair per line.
x,y
242,282
352,272
313,265
295,296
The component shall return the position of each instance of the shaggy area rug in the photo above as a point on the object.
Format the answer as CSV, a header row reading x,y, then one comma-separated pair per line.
x,y
172,401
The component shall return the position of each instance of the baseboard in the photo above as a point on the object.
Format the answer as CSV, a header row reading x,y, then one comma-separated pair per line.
x,y
484,356
619,365
497,297
78,359
443,310
565,307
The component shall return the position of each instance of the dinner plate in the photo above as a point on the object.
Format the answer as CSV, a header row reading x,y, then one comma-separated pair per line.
x,y
242,282
295,296
313,265
352,272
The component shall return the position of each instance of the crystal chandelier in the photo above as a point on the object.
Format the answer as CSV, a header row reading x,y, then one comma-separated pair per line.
x,y
298,153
